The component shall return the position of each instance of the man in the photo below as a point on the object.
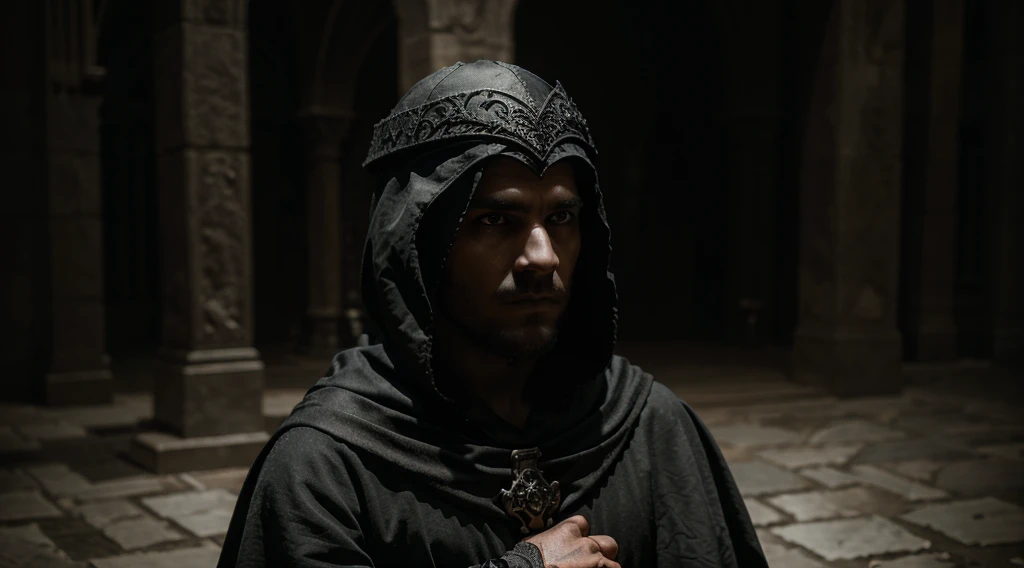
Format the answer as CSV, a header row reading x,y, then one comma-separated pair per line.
x,y
491,425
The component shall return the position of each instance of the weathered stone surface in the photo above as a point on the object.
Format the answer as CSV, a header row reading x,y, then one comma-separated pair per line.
x,y
103,513
756,478
817,505
14,481
795,458
909,490
913,450
230,479
117,488
126,410
132,534
204,513
980,521
751,435
25,548
173,454
52,431
28,533
1005,451
198,557
10,441
921,470
785,557
977,478
938,560
26,505
761,514
829,477
847,539
854,431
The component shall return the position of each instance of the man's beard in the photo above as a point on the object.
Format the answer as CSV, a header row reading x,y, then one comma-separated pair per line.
x,y
530,341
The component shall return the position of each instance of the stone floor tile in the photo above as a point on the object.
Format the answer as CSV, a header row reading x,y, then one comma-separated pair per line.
x,y
935,449
780,556
979,521
28,533
921,470
77,539
52,431
983,477
847,539
761,514
1010,451
118,488
831,504
102,513
11,441
132,534
126,410
752,435
230,479
15,481
26,505
937,560
941,423
909,490
757,478
58,479
795,458
830,477
17,551
199,557
204,513
854,431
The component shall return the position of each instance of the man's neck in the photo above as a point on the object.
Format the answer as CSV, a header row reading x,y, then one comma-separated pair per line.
x,y
497,383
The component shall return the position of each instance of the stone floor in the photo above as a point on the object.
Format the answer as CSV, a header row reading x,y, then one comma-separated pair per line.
x,y
931,478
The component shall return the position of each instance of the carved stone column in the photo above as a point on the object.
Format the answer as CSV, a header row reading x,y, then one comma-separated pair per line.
x,y
930,196
325,133
437,33
846,340
1006,182
209,384
79,368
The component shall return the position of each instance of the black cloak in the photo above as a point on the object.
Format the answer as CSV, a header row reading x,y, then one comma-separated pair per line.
x,y
380,465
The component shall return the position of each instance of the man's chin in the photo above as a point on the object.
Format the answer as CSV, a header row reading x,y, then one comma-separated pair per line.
x,y
527,342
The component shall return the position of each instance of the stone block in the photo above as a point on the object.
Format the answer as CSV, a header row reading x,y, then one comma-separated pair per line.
x,y
751,435
819,505
140,532
829,477
58,480
11,481
166,453
935,449
983,477
28,546
909,490
52,431
795,458
784,556
206,555
79,387
203,513
230,479
11,441
104,513
756,478
937,560
847,539
760,514
26,505
210,399
119,488
855,431
983,522
203,83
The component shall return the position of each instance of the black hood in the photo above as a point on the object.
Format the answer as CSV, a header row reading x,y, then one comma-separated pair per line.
x,y
428,154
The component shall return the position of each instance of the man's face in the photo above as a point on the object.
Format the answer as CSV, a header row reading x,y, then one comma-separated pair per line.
x,y
510,268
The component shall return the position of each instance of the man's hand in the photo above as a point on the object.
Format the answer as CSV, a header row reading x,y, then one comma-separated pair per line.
x,y
569,544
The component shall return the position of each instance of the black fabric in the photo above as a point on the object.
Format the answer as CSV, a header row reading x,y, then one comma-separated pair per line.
x,y
380,466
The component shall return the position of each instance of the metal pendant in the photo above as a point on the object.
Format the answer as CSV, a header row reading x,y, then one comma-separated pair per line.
x,y
531,499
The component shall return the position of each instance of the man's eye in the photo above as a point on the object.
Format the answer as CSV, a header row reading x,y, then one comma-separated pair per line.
x,y
492,219
562,217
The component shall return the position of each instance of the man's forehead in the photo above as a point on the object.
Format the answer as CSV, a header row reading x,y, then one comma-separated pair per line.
x,y
508,175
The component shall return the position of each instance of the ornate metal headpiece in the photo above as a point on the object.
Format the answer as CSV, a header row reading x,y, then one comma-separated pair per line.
x,y
483,113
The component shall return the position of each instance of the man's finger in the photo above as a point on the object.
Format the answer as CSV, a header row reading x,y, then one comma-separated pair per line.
x,y
609,548
581,522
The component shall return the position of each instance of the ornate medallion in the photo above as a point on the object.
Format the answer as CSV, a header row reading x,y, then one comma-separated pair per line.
x,y
531,499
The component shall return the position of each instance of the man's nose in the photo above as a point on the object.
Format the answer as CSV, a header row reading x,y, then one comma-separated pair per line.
x,y
538,254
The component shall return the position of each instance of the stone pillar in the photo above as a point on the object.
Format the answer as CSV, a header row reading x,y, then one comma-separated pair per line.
x,y
79,368
437,33
209,383
1006,182
846,339
930,196
325,132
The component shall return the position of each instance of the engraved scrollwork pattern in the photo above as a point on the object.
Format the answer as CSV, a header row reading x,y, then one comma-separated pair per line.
x,y
483,113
